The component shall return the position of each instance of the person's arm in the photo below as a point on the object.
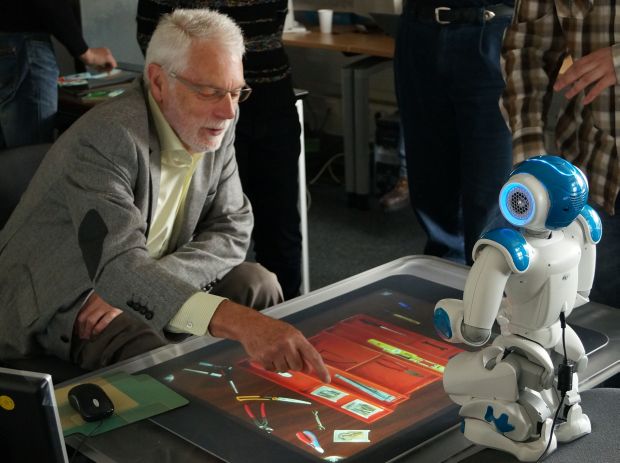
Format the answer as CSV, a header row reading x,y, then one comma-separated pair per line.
x,y
276,345
59,19
597,70
531,57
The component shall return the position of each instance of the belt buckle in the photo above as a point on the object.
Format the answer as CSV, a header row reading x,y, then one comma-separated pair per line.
x,y
437,11
487,15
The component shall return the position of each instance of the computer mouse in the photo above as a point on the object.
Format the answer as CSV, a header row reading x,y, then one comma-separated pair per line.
x,y
91,402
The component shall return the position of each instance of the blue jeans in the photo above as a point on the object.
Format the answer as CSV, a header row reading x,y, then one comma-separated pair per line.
x,y
28,89
459,149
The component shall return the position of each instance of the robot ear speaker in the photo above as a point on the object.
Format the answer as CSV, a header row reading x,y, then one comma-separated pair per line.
x,y
519,203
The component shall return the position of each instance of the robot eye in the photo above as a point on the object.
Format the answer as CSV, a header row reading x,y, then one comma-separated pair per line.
x,y
517,204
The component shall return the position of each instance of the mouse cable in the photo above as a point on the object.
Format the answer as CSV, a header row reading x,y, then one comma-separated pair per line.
x,y
565,384
79,447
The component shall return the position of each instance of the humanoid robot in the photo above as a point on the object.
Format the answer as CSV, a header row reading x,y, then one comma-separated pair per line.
x,y
528,281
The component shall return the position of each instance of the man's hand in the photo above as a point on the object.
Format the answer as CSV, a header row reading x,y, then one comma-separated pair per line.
x,y
94,317
276,345
595,69
99,58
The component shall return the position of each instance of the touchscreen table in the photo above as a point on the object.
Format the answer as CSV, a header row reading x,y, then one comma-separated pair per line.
x,y
386,394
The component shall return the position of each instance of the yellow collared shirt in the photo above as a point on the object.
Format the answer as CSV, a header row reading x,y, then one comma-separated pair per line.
x,y
177,169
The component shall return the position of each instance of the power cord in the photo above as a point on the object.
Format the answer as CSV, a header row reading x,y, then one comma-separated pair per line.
x,y
327,166
79,447
565,384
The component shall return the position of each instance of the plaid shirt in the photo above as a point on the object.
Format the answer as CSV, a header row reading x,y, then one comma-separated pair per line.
x,y
542,34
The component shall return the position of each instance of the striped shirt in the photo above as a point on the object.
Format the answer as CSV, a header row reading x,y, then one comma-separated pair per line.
x,y
542,34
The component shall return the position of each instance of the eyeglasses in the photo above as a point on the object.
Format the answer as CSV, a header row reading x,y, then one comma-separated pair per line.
x,y
206,92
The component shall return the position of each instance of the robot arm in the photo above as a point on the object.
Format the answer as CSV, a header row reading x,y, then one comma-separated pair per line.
x,y
587,228
470,321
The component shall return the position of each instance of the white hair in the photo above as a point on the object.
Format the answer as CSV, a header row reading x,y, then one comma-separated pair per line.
x,y
175,32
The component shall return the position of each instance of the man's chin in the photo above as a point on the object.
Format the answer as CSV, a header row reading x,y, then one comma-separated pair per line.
x,y
207,145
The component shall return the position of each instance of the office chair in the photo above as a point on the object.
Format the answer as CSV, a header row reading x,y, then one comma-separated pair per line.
x,y
17,167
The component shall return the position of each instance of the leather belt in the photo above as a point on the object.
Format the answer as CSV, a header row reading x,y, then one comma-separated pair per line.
x,y
464,15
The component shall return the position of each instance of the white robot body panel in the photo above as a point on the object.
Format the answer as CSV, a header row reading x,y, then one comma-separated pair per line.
x,y
478,375
535,298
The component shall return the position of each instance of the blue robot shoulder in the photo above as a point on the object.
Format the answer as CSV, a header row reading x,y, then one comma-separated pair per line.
x,y
590,221
510,243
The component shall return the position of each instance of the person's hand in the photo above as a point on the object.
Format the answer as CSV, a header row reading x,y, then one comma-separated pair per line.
x,y
99,58
596,68
276,345
94,317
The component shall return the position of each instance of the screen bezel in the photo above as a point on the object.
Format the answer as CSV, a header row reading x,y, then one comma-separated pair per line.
x,y
35,432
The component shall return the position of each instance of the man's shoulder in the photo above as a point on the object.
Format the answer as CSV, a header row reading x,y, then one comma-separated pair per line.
x,y
128,109
124,116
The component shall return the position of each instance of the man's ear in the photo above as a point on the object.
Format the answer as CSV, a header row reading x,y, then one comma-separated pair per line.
x,y
157,80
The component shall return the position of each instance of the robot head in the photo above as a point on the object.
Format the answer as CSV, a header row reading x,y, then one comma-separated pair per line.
x,y
543,193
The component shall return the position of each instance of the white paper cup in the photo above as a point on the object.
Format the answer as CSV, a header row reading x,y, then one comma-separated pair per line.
x,y
325,21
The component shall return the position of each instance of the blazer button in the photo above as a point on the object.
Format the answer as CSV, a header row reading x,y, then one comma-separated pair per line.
x,y
142,310
64,338
149,315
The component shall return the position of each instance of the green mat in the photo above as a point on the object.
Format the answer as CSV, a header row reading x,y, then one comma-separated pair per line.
x,y
135,398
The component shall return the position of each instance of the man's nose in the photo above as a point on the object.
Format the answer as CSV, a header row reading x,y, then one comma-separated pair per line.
x,y
226,107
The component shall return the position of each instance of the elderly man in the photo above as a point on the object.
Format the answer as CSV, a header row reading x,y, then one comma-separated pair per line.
x,y
136,220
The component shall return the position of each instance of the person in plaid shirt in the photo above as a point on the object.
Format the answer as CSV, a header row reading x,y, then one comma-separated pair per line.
x,y
542,35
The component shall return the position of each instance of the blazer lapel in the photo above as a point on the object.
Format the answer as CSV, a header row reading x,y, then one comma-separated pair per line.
x,y
155,172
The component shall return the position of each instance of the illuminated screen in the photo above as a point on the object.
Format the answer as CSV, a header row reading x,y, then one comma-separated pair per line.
x,y
386,394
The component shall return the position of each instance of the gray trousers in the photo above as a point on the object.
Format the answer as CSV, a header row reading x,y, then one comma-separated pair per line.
x,y
249,284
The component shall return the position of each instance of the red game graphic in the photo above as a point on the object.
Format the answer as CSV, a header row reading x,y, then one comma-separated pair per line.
x,y
374,365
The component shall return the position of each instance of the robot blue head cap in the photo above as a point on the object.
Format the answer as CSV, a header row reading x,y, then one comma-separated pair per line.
x,y
566,185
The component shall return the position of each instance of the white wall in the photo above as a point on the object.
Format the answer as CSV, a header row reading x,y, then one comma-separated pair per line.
x,y
112,24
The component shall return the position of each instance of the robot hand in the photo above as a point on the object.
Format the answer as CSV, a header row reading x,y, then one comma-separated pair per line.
x,y
448,319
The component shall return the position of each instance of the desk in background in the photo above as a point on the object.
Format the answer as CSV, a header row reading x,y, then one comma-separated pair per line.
x,y
146,441
377,50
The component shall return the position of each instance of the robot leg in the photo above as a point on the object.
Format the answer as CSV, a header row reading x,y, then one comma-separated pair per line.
x,y
481,433
499,412
573,422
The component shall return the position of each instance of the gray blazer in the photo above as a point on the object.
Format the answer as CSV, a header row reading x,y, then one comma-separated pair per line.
x,y
83,222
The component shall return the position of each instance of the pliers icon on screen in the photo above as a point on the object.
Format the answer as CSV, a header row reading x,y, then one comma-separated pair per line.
x,y
262,422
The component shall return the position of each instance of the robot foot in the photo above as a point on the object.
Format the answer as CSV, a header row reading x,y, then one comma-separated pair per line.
x,y
482,433
577,425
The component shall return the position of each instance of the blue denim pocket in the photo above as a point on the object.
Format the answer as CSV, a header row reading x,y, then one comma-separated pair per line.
x,y
9,73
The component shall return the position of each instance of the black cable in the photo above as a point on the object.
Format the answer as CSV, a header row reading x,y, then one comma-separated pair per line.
x,y
77,450
564,384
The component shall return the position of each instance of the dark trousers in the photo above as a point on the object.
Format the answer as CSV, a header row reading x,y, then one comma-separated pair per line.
x,y
267,146
458,147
